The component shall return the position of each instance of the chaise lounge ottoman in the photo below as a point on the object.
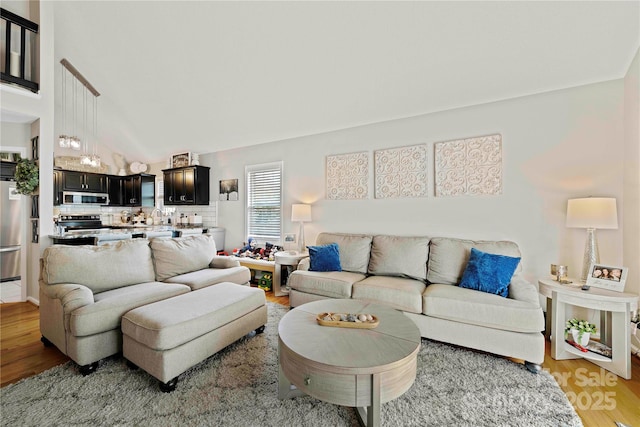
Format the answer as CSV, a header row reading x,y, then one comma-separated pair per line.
x,y
168,337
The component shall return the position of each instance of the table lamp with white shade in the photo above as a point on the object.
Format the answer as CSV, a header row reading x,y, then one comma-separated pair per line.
x,y
301,213
591,213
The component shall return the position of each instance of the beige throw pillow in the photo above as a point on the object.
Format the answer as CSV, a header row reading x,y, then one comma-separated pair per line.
x,y
399,256
100,268
172,257
448,257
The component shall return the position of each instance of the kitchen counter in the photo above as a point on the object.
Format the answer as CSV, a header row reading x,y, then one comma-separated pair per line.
x,y
125,231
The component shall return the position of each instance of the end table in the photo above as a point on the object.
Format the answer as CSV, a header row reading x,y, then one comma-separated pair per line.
x,y
289,261
615,309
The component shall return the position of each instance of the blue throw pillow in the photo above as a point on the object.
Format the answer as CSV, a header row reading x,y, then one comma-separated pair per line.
x,y
324,258
489,272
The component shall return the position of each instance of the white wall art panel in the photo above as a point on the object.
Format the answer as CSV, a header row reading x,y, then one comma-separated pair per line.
x,y
401,172
471,166
348,176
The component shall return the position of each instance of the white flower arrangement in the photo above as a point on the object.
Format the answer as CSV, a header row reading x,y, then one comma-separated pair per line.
x,y
582,326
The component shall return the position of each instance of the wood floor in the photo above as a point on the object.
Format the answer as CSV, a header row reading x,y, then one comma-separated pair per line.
x,y
600,398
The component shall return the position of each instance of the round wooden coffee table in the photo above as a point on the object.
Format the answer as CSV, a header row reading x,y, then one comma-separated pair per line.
x,y
361,368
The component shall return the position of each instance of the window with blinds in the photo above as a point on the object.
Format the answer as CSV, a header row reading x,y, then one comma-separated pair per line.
x,y
264,202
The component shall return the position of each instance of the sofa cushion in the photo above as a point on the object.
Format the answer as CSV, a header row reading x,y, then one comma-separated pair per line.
x,y
448,257
400,293
109,307
354,250
210,276
170,323
482,309
95,266
399,256
489,272
333,284
324,258
172,257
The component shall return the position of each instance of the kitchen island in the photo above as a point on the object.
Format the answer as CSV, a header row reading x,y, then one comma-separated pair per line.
x,y
130,231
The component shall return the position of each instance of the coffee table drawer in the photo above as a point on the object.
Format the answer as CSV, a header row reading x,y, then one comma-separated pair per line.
x,y
339,389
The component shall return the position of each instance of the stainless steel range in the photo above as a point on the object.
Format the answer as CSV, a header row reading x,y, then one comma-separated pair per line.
x,y
84,222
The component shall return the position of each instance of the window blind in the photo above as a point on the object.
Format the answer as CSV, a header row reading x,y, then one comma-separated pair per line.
x,y
264,202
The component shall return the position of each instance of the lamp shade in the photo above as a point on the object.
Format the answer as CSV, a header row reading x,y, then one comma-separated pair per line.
x,y
300,213
592,212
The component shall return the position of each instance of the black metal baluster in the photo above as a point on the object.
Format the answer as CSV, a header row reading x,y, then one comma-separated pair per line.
x,y
7,50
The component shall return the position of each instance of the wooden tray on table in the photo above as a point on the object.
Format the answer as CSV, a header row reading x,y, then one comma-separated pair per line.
x,y
368,324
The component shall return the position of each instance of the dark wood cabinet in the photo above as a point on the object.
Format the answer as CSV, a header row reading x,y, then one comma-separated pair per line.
x,y
115,190
57,188
132,190
188,185
84,182
8,170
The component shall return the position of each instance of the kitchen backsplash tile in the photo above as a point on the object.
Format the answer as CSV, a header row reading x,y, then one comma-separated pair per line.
x,y
209,213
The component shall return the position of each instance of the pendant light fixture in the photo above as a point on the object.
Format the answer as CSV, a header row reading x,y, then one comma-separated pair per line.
x,y
63,139
85,158
70,139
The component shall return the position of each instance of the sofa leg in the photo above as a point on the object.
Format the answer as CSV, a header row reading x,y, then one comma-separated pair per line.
x,y
46,342
532,367
88,369
169,386
131,365
260,329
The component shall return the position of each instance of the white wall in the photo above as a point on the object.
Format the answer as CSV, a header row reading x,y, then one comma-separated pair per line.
x,y
631,189
39,106
556,146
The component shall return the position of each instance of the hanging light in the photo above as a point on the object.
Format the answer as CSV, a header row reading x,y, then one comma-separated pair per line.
x,y
70,139
74,141
95,159
85,158
63,139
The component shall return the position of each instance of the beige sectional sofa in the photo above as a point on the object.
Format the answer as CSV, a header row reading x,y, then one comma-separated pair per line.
x,y
85,290
419,275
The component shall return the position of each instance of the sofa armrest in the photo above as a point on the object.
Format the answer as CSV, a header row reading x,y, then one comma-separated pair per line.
x,y
304,264
71,295
522,290
220,261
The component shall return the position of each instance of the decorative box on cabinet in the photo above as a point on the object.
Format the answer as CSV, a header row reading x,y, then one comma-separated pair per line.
x,y
187,185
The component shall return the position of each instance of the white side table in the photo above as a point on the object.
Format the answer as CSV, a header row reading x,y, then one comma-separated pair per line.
x,y
289,261
616,305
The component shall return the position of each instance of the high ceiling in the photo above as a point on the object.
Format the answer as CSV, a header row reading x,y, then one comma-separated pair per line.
x,y
207,76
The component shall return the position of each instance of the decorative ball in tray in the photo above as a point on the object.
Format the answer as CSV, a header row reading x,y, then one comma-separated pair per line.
x,y
348,320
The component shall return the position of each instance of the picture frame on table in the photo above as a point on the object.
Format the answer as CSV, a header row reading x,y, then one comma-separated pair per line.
x,y
606,276
180,160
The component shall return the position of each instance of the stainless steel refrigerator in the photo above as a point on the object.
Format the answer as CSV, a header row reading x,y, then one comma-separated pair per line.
x,y
11,231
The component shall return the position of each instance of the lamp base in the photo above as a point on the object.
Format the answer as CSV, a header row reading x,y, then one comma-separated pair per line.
x,y
301,246
591,254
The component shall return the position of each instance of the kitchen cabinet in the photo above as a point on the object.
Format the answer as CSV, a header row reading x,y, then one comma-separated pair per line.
x,y
132,190
8,171
187,185
84,181
116,190
57,187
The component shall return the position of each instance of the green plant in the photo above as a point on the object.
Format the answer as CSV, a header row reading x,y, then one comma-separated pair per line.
x,y
581,326
27,176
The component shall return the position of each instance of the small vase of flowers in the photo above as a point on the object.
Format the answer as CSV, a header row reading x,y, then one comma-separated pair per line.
x,y
581,330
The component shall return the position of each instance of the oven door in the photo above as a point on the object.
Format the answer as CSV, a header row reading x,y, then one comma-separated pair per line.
x,y
73,198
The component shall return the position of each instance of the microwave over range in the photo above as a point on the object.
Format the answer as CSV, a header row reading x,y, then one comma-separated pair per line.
x,y
79,198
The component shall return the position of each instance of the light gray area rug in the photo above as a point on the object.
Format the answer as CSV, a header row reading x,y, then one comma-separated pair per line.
x,y
238,387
